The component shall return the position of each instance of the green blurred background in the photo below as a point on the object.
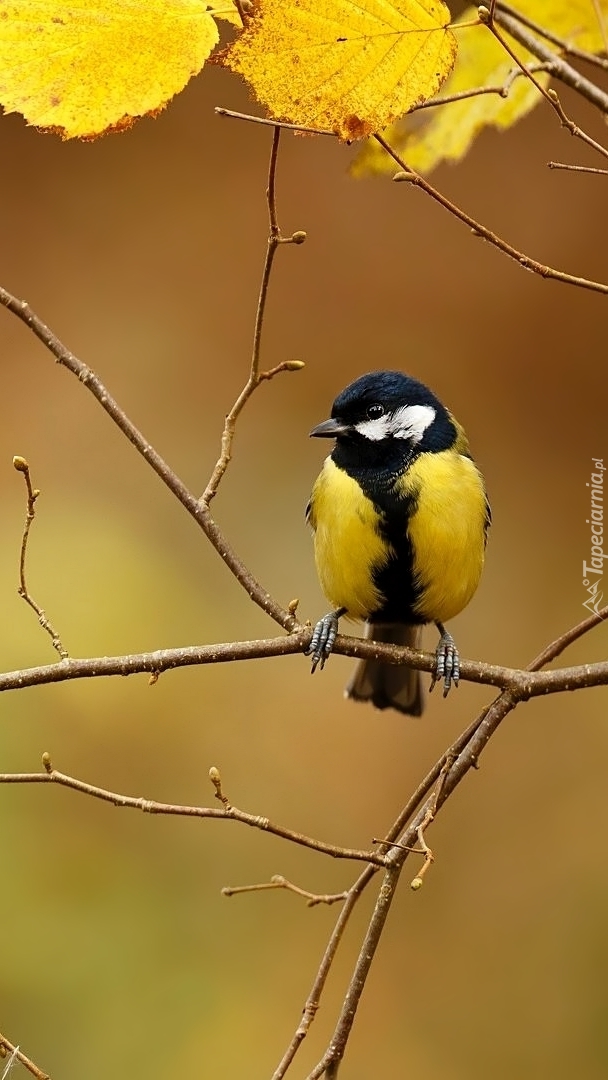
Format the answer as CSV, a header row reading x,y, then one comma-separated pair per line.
x,y
144,253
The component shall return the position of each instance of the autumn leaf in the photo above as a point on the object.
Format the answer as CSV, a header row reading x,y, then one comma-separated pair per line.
x,y
577,22
344,66
448,131
85,67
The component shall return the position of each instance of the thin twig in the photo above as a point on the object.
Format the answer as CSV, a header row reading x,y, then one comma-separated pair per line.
x,y
335,1051
354,893
478,91
231,114
576,168
22,466
467,760
18,1055
412,177
549,95
151,806
557,647
198,511
562,70
545,32
429,817
277,881
312,1001
255,375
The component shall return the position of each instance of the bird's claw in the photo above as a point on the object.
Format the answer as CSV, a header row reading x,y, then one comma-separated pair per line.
x,y
447,667
322,641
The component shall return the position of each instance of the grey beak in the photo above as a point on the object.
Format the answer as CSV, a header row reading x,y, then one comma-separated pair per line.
x,y
329,429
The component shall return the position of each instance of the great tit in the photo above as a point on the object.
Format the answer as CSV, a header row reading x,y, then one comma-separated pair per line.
x,y
400,519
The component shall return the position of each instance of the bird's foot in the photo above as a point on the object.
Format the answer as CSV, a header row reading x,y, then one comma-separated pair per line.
x,y
447,667
322,640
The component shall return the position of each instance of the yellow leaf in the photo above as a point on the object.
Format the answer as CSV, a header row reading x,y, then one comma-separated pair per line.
x,y
84,67
576,21
447,131
344,66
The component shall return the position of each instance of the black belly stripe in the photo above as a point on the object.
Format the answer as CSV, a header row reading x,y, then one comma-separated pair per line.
x,y
395,580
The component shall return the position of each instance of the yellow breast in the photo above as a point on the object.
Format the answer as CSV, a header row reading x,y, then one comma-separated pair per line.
x,y
446,531
348,547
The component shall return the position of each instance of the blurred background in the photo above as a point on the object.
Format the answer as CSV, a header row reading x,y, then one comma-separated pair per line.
x,y
144,252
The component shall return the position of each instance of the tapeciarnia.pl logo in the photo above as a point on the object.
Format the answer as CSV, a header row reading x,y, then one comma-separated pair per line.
x,y
594,569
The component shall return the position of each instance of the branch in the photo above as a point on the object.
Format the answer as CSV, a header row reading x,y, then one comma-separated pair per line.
x,y
277,881
328,1065
17,1055
150,806
282,124
542,31
564,72
255,375
524,683
478,91
410,176
197,510
425,803
22,466
576,168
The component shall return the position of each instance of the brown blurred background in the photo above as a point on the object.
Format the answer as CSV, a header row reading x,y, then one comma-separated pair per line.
x,y
143,252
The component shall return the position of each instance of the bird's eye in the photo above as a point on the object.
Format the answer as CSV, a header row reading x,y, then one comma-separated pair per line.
x,y
374,411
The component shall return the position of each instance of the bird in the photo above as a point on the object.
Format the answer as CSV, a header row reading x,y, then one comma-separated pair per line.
x,y
400,519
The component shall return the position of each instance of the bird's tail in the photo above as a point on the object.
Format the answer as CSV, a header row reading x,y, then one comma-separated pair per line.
x,y
389,686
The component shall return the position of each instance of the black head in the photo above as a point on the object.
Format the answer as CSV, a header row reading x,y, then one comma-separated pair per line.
x,y
387,413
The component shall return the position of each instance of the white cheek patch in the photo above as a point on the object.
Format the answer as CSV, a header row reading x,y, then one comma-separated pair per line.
x,y
376,430
408,422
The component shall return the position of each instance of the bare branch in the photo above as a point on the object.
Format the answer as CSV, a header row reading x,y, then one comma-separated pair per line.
x,y
255,375
22,466
335,1052
279,882
556,648
312,1002
425,803
7,1047
478,91
549,95
197,510
563,71
232,115
150,806
576,168
525,683
544,32
410,176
